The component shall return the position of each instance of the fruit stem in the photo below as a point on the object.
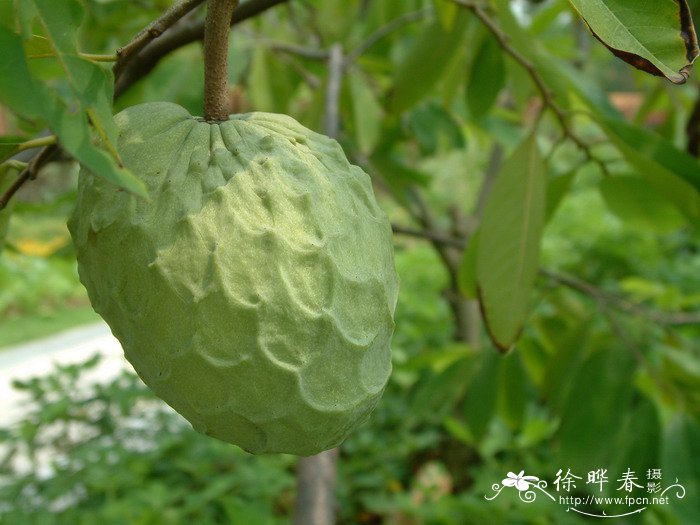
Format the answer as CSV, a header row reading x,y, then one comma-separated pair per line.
x,y
216,30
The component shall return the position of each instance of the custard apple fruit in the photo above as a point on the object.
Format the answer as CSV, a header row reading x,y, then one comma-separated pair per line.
x,y
255,291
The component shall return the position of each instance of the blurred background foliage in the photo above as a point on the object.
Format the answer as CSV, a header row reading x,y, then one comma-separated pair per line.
x,y
605,374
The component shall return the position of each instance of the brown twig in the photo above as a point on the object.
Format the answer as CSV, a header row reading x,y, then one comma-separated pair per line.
x,y
216,36
29,173
432,236
139,64
610,299
546,94
385,31
304,52
153,31
692,130
622,304
176,37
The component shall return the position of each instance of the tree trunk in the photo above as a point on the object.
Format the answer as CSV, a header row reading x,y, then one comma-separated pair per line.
x,y
316,480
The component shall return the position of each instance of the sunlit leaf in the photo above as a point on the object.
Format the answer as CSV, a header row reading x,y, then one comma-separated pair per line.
x,y
513,390
367,113
670,171
486,78
656,36
634,201
592,422
482,394
91,87
557,188
420,70
467,268
509,243
18,90
38,47
9,146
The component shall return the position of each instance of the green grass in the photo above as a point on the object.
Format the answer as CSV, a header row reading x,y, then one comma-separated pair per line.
x,y
24,329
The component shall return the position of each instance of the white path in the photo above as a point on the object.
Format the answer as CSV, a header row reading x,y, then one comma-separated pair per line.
x,y
39,357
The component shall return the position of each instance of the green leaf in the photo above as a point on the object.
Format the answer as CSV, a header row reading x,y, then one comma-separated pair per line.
x,y
641,439
513,390
91,87
9,146
480,398
509,243
60,19
487,77
90,83
25,15
530,47
38,46
435,129
656,36
270,83
594,414
397,175
681,460
367,113
18,90
638,204
557,188
447,12
467,268
438,392
74,132
565,362
670,171
426,62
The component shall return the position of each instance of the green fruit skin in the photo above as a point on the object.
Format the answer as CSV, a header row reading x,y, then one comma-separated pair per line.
x,y
255,291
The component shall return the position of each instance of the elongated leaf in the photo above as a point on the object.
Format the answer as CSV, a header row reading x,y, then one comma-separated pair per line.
x,y
367,113
9,146
426,62
481,396
592,417
25,13
467,268
447,12
681,455
656,36
74,132
634,201
509,243
531,47
434,129
670,171
486,77
18,90
640,440
90,84
513,387
38,46
557,188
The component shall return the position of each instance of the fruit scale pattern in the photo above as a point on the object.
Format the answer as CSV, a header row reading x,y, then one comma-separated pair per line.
x,y
255,290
